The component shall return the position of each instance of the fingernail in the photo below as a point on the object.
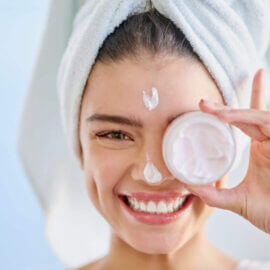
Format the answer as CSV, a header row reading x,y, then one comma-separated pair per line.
x,y
214,105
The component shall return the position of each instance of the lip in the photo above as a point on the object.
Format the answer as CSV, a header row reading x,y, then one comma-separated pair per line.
x,y
157,219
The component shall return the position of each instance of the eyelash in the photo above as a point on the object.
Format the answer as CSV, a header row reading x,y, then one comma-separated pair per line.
x,y
103,135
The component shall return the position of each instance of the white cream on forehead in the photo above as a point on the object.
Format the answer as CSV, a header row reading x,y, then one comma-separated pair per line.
x,y
151,102
151,173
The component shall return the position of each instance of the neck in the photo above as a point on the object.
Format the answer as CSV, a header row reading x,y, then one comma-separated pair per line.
x,y
123,256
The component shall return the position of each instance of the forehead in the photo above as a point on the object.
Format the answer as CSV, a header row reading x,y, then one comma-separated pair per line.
x,y
118,87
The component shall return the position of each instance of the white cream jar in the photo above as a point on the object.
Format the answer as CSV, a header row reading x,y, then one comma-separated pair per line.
x,y
198,148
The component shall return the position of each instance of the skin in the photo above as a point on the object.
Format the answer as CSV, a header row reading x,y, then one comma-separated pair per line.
x,y
181,83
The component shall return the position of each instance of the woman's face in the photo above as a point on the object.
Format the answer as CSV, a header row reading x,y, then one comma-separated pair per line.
x,y
114,164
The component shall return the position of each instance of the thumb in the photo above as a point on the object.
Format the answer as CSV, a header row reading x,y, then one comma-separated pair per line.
x,y
228,199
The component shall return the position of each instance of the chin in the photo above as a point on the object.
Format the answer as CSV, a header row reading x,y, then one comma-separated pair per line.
x,y
157,242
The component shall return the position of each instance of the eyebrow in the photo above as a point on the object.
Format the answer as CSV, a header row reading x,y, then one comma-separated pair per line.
x,y
132,121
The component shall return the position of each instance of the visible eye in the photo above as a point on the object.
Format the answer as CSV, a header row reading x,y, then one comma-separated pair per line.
x,y
114,135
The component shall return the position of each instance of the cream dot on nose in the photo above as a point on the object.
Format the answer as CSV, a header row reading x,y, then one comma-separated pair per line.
x,y
151,173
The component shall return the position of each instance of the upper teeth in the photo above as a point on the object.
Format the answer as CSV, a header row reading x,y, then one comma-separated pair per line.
x,y
160,207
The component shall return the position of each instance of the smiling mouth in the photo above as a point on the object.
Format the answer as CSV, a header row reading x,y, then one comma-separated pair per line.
x,y
157,211
156,207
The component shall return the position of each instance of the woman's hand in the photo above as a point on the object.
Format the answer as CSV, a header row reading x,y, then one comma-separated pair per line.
x,y
251,198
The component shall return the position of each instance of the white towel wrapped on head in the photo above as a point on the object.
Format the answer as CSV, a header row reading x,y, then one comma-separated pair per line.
x,y
230,36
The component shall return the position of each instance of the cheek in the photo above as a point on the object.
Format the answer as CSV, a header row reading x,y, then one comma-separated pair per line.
x,y
105,168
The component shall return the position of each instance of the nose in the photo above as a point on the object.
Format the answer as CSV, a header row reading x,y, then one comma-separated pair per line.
x,y
150,166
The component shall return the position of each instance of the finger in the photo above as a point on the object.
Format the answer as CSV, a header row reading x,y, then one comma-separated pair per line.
x,y
247,116
258,98
244,115
224,198
255,133
229,114
260,119
251,130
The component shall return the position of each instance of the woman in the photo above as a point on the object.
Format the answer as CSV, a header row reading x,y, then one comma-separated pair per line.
x,y
147,50
175,70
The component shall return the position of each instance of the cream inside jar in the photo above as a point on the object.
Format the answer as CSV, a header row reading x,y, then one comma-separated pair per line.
x,y
198,148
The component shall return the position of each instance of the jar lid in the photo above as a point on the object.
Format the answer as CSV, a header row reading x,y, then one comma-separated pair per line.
x,y
198,148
